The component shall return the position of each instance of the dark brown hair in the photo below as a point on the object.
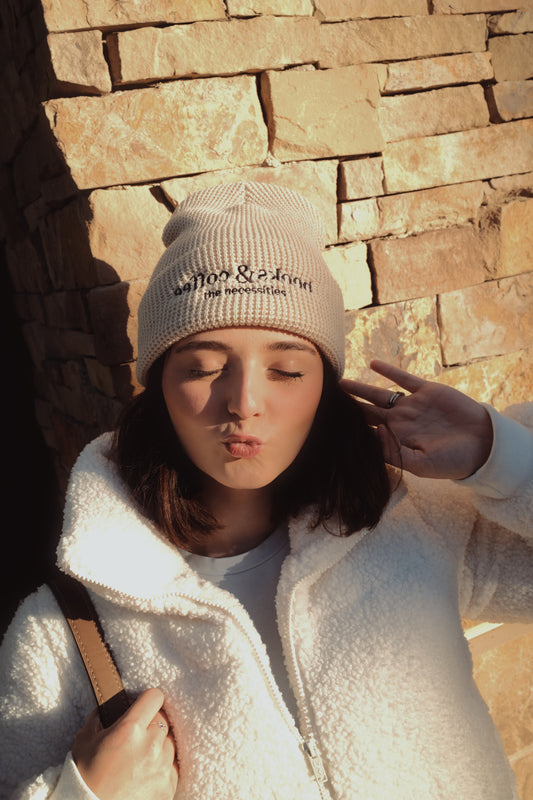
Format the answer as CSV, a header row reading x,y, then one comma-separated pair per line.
x,y
340,470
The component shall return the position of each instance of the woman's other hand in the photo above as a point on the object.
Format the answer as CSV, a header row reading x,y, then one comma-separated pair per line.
x,y
134,759
435,431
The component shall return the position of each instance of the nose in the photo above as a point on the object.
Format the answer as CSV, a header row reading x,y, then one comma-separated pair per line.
x,y
244,394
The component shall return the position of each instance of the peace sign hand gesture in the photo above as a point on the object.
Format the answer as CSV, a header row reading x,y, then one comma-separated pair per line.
x,y
434,432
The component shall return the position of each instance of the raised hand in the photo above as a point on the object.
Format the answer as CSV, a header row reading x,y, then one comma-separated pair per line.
x,y
134,759
435,431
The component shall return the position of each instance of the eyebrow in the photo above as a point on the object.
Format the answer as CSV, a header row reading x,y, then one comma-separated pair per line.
x,y
216,346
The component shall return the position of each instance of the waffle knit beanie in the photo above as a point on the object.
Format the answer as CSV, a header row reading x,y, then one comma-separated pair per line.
x,y
242,254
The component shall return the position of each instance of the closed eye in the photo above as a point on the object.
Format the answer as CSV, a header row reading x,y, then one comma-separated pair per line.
x,y
202,373
287,374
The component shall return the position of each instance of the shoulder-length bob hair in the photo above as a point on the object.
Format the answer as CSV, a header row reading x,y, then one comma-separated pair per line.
x,y
340,471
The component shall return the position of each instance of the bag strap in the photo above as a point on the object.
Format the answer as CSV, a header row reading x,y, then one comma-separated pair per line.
x,y
81,616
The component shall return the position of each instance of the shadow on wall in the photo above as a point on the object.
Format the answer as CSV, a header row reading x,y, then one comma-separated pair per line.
x,y
53,360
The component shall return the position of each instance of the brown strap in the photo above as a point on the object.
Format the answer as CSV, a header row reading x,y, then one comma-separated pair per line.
x,y
83,621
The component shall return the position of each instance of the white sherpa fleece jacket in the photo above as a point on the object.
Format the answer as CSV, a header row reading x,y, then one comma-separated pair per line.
x,y
371,632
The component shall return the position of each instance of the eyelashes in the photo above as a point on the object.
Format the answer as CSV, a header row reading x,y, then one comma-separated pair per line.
x,y
278,373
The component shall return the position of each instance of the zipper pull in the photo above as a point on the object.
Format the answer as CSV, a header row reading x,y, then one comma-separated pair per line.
x,y
311,751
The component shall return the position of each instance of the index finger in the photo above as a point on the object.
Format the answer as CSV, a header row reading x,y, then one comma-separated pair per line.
x,y
145,707
398,376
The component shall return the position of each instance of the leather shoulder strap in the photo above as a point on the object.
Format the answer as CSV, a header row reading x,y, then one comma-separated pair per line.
x,y
80,613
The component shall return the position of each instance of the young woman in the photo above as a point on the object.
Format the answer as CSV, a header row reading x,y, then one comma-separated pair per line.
x,y
285,609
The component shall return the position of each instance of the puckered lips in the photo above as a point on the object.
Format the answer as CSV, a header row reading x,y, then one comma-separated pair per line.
x,y
242,445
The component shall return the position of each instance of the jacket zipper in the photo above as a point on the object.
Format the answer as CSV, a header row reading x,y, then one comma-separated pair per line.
x,y
307,743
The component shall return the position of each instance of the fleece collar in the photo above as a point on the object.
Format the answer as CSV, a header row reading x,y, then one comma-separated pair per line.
x,y
109,544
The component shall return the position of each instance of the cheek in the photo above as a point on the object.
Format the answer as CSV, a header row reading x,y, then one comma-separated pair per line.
x,y
184,403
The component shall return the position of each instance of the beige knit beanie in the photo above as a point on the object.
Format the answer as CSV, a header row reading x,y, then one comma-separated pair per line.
x,y
242,254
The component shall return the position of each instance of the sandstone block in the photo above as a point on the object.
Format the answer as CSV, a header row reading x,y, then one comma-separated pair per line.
x,y
512,57
27,271
516,230
322,113
359,220
66,247
512,185
336,10
349,267
513,99
248,8
515,22
500,381
405,334
399,39
135,136
125,231
78,64
459,157
213,48
119,381
34,307
316,180
66,310
360,178
427,73
113,312
474,6
62,344
78,14
428,113
491,319
433,262
412,212
443,207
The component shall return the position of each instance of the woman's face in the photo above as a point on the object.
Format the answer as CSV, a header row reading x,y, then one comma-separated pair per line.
x,y
242,401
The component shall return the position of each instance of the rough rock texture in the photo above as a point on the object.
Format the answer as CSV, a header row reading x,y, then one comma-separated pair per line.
x,y
78,63
436,261
139,136
333,10
472,6
247,8
316,180
405,334
360,178
516,22
512,57
516,230
349,267
213,48
412,212
113,312
67,253
316,114
500,381
487,320
125,232
80,14
511,185
398,39
426,73
513,99
457,157
428,113
442,207
359,220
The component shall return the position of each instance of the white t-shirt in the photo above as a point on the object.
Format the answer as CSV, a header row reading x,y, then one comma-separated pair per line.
x,y
252,578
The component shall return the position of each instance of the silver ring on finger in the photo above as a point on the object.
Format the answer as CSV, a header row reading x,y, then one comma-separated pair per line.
x,y
393,399
159,725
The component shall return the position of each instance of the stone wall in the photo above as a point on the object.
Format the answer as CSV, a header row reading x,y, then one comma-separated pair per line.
x,y
408,122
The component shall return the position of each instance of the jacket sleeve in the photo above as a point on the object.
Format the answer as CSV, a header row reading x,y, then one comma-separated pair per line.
x,y
46,698
497,575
